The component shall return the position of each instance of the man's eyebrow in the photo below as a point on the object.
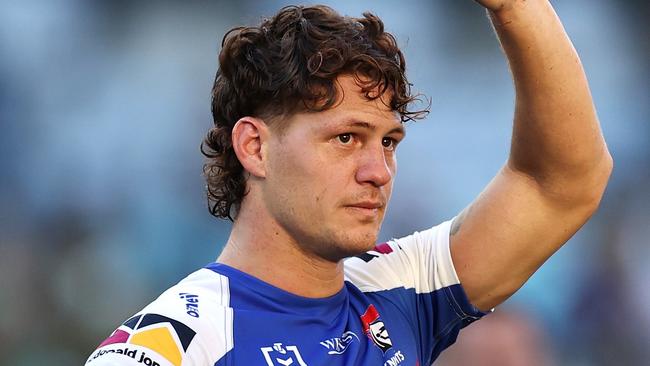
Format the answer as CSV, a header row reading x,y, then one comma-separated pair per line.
x,y
399,129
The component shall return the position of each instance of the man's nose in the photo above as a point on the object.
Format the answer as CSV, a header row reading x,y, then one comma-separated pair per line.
x,y
375,167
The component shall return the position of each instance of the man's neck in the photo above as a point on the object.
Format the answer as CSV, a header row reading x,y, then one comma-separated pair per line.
x,y
260,247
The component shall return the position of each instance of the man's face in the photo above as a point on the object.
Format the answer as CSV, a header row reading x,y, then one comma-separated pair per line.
x,y
330,174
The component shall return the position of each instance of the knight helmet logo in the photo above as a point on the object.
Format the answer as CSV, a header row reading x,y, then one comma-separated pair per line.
x,y
374,328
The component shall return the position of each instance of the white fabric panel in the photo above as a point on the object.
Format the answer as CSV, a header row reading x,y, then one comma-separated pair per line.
x,y
421,261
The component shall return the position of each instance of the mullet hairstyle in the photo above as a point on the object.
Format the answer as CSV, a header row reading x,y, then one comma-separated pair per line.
x,y
288,64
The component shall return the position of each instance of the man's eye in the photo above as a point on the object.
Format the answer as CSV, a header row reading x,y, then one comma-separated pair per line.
x,y
389,143
345,138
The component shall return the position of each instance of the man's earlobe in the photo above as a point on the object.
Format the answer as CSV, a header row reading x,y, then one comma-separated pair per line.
x,y
248,136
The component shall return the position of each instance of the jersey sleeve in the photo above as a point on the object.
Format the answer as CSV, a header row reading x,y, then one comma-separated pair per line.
x,y
188,325
416,274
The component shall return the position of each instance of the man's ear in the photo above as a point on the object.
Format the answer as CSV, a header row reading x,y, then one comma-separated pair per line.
x,y
248,137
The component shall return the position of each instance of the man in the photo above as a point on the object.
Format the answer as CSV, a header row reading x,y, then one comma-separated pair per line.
x,y
308,111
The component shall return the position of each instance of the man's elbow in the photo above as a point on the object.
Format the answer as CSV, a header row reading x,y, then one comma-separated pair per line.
x,y
581,186
597,183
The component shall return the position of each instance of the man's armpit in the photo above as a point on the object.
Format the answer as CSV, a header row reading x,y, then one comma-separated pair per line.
x,y
458,220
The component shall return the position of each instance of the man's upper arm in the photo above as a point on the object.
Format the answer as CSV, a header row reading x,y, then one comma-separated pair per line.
x,y
558,165
508,232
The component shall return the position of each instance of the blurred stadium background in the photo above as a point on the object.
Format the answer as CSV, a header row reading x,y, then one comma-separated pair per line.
x,y
102,108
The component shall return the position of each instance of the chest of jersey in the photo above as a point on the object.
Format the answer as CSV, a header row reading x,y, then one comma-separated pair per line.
x,y
360,333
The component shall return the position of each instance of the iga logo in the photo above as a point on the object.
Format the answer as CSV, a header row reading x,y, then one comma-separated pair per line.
x,y
283,355
374,328
337,346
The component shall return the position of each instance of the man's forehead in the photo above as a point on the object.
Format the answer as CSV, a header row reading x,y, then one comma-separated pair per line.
x,y
350,90
354,107
383,126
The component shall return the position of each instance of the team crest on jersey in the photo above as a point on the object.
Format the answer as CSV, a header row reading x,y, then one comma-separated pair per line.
x,y
168,337
280,355
374,328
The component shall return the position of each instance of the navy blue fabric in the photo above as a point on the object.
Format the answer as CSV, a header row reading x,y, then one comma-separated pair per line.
x,y
274,327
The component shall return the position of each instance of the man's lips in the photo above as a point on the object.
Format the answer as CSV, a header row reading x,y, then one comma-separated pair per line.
x,y
368,205
367,209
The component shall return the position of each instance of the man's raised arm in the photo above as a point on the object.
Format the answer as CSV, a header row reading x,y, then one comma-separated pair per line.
x,y
558,165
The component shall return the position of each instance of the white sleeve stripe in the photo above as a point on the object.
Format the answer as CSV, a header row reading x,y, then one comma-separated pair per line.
x,y
218,340
445,273
227,315
225,291
421,261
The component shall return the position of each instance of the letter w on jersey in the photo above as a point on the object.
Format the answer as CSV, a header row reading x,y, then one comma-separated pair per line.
x,y
336,346
279,355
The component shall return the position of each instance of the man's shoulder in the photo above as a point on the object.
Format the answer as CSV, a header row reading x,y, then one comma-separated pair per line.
x,y
187,321
420,261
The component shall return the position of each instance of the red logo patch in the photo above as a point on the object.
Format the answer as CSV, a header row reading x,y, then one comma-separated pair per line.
x,y
374,328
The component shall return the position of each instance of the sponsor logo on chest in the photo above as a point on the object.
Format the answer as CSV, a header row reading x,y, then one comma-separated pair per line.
x,y
338,345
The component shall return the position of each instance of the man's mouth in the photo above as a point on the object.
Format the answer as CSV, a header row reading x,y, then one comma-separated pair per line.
x,y
366,208
369,205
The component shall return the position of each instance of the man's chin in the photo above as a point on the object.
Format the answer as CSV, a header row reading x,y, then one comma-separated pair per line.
x,y
349,248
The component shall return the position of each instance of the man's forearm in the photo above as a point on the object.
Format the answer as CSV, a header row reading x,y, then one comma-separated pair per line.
x,y
556,136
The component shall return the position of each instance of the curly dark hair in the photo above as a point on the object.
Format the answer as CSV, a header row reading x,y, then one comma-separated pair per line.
x,y
289,63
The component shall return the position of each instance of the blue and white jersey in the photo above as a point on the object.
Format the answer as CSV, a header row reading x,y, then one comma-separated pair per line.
x,y
402,304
